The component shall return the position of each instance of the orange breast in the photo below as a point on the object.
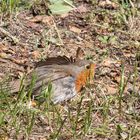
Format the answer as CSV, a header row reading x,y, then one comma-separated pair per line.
x,y
85,76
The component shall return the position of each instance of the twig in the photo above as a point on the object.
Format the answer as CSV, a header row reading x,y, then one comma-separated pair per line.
x,y
69,3
59,36
132,4
9,35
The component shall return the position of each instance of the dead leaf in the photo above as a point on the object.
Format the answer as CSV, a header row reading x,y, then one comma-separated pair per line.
x,y
33,25
117,78
48,20
33,103
108,4
109,62
36,54
3,47
80,53
75,29
3,60
21,74
111,89
42,18
19,61
64,15
3,55
81,9
37,19
11,51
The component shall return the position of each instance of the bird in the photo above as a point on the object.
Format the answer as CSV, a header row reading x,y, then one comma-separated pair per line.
x,y
64,76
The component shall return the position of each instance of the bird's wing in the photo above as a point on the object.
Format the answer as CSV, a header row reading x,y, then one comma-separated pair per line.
x,y
60,60
63,84
64,89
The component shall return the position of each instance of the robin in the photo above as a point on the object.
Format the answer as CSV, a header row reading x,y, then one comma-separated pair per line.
x,y
66,77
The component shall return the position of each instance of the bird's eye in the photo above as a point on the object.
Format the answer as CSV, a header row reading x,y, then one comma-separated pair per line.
x,y
87,66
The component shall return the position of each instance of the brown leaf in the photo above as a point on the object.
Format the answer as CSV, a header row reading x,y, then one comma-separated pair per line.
x,y
64,15
3,47
108,4
33,25
21,74
3,55
36,54
81,9
109,62
80,53
48,20
42,18
33,103
37,19
117,79
19,61
111,90
75,29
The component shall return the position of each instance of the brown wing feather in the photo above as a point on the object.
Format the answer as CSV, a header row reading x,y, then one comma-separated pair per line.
x,y
60,60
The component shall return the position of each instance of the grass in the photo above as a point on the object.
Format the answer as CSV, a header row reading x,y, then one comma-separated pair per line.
x,y
102,116
11,6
